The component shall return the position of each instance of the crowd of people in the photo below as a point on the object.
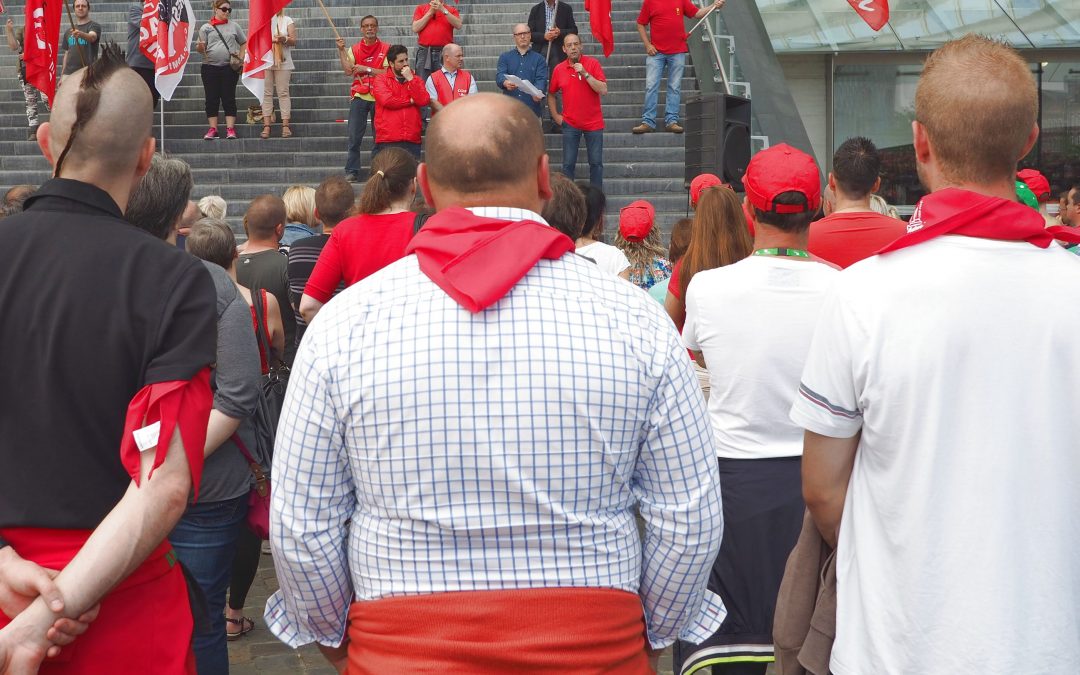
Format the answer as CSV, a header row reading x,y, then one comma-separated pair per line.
x,y
803,431
398,97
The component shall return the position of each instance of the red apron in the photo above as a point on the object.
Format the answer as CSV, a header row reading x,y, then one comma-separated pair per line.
x,y
144,625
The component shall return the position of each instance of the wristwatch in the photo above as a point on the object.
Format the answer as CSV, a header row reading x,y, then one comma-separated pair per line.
x,y
587,76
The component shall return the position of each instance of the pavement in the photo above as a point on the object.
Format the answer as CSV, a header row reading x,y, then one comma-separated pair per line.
x,y
260,653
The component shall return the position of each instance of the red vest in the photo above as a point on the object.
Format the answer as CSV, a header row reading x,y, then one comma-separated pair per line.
x,y
446,93
371,57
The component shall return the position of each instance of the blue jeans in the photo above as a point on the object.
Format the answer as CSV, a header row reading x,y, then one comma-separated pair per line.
x,y
654,70
411,148
359,110
205,541
594,147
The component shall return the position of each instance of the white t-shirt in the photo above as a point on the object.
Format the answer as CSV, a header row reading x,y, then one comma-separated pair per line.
x,y
279,25
753,321
959,550
607,257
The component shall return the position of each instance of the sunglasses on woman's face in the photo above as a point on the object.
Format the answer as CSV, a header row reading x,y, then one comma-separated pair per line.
x,y
227,10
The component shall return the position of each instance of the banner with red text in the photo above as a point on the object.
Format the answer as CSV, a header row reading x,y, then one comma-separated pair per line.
x,y
165,38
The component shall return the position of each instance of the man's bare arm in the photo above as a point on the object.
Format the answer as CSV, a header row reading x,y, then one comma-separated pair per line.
x,y
128,534
826,470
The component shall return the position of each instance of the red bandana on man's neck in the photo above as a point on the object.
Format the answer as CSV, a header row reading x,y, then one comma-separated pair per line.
x,y
369,50
214,21
478,260
956,211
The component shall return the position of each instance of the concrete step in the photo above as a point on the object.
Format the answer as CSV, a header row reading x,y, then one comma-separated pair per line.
x,y
648,166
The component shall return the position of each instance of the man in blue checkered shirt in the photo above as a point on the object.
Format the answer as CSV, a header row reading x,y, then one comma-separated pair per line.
x,y
469,432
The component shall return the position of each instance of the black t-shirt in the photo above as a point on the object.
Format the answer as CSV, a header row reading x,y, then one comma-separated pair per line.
x,y
270,270
95,309
83,52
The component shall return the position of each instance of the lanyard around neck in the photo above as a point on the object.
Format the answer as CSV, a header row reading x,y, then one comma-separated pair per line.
x,y
789,252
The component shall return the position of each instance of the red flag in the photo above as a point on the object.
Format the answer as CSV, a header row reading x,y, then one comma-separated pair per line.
x,y
874,12
165,38
260,52
600,24
41,38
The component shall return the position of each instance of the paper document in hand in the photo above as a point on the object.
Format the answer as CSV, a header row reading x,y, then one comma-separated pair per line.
x,y
524,85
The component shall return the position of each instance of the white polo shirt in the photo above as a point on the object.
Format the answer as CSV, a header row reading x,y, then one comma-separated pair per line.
x,y
959,361
753,321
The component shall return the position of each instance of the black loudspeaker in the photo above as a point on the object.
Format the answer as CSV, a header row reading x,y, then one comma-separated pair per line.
x,y
718,137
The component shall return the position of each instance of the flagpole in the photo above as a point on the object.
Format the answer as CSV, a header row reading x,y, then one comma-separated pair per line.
x,y
328,19
554,18
67,6
705,16
163,127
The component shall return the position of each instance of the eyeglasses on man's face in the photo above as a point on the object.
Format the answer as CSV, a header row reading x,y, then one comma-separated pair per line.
x,y
521,34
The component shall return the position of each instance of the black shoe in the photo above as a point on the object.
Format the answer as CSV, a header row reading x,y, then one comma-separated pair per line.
x,y
32,135
352,177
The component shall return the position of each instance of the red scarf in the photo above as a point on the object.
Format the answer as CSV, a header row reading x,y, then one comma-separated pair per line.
x,y
367,51
215,22
175,404
956,211
478,260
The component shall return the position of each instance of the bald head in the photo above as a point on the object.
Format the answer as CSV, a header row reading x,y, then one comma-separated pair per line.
x,y
264,220
452,57
483,145
978,106
108,109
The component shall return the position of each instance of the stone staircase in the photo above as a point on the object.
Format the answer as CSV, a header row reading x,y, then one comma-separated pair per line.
x,y
635,167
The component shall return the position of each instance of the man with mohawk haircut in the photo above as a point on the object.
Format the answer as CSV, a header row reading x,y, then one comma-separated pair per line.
x,y
70,498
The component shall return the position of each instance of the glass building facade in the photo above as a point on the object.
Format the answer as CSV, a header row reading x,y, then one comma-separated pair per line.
x,y
848,80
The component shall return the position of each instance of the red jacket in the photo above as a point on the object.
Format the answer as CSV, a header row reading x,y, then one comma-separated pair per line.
x,y
397,108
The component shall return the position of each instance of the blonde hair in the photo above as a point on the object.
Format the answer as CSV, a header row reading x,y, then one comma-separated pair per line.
x,y
978,103
300,204
879,205
642,254
212,206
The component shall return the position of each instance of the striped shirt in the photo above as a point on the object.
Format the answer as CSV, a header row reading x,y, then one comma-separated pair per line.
x,y
424,449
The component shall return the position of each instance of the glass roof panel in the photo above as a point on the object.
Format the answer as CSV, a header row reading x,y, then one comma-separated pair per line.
x,y
916,25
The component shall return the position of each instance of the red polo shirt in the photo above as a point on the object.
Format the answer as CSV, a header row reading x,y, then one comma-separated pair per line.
x,y
581,105
846,238
667,31
438,32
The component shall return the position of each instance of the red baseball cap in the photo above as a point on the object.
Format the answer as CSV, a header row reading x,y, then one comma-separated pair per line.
x,y
1034,179
702,182
781,169
636,220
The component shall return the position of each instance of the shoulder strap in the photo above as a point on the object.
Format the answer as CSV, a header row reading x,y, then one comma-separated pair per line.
x,y
261,329
223,42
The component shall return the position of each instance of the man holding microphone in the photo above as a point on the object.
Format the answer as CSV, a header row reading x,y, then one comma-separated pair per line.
x,y
581,80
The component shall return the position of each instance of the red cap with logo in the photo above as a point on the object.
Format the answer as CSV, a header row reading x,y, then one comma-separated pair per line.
x,y
702,182
636,220
781,169
1034,179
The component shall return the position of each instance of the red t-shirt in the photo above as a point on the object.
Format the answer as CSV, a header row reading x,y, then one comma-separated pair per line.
x,y
667,31
846,238
581,105
438,32
358,247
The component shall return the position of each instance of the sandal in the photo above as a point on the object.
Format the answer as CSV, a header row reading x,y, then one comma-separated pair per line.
x,y
285,131
246,626
265,132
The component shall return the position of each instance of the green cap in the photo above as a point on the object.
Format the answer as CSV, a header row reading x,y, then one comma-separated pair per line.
x,y
1026,196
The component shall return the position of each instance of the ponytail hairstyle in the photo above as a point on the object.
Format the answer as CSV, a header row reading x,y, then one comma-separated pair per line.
x,y
392,174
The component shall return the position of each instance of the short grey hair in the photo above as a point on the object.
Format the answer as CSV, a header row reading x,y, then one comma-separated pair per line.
x,y
212,240
158,201
212,206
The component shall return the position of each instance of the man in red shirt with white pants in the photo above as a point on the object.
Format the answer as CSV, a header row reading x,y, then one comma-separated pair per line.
x,y
581,80
665,44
